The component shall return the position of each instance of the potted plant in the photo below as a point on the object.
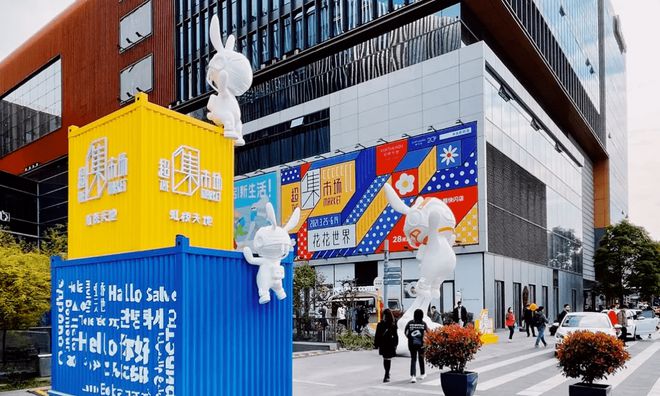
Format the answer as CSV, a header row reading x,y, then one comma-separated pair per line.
x,y
453,346
590,356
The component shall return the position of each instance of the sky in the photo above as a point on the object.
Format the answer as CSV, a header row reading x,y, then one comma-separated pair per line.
x,y
21,19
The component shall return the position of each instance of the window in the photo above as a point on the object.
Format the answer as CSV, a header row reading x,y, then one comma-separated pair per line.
x,y
544,300
137,78
135,26
265,55
281,143
532,294
32,109
299,31
276,41
574,305
311,27
287,35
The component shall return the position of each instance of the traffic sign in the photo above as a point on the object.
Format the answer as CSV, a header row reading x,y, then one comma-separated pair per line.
x,y
389,270
388,282
392,278
378,282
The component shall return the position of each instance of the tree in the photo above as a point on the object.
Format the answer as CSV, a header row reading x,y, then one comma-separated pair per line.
x,y
627,261
55,241
304,280
24,285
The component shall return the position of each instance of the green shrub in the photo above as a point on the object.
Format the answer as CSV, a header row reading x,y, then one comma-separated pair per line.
x,y
354,341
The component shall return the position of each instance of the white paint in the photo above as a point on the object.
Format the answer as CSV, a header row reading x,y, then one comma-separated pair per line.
x,y
632,365
101,172
655,391
544,386
183,175
313,383
514,375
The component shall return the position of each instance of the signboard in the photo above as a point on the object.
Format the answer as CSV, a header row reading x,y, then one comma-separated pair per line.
x,y
378,282
344,209
142,175
250,198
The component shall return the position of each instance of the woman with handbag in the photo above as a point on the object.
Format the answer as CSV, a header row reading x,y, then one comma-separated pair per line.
x,y
386,341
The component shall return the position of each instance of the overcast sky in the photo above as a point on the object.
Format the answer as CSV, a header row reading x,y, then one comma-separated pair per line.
x,y
19,19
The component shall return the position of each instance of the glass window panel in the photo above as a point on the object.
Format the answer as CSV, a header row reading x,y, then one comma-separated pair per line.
x,y
311,27
31,110
135,27
276,41
138,78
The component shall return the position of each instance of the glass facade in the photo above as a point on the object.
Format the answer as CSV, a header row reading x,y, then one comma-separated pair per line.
x,y
282,28
32,109
615,110
534,190
566,34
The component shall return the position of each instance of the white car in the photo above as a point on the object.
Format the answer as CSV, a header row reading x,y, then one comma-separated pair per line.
x,y
591,321
638,325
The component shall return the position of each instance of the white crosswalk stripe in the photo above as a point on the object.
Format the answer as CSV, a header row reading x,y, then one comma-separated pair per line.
x,y
514,375
496,365
632,365
544,386
655,391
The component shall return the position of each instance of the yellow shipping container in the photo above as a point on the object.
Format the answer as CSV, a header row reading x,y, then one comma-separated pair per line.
x,y
142,175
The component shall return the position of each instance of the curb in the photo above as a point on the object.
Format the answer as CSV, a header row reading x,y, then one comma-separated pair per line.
x,y
305,354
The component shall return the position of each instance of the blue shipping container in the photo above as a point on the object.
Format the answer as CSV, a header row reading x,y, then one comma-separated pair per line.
x,y
174,321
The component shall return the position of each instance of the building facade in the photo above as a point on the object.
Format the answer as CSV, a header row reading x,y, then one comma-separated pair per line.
x,y
89,61
509,110
541,84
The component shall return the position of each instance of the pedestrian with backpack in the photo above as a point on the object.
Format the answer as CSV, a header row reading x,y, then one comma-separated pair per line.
x,y
415,330
386,341
540,321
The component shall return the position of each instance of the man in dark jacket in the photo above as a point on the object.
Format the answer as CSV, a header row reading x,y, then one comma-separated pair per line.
x,y
460,314
560,317
527,317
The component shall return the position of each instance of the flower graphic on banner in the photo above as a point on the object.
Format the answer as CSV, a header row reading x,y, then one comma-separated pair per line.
x,y
405,184
449,154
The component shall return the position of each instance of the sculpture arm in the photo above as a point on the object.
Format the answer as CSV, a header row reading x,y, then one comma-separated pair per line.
x,y
249,257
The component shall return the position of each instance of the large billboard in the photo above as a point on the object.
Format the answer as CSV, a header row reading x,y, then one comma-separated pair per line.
x,y
344,209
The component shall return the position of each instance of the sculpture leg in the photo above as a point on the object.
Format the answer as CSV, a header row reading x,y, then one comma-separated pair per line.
x,y
264,296
279,291
239,133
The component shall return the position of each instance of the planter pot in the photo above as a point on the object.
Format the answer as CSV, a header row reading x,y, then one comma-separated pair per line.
x,y
459,384
582,389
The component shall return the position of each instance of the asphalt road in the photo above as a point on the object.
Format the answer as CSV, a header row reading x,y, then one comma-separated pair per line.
x,y
505,369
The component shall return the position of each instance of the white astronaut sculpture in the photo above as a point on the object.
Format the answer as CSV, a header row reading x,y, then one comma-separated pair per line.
x,y
230,75
272,244
429,227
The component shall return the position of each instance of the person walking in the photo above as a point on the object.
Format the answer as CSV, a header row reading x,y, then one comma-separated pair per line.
x,y
386,341
460,314
528,315
435,315
540,321
415,330
510,322
341,315
622,318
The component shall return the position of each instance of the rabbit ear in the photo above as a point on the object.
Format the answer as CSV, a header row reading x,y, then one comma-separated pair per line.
x,y
293,220
214,33
229,45
394,200
270,212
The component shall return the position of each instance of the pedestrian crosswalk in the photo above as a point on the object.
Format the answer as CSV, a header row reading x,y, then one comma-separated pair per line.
x,y
535,373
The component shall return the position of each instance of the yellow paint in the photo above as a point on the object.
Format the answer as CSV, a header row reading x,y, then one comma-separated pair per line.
x,y
110,212
371,214
290,201
467,231
337,188
490,338
427,168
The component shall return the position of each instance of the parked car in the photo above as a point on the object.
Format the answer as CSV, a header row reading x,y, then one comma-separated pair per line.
x,y
591,321
639,325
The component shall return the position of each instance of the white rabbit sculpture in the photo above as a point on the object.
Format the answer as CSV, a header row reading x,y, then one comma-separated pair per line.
x,y
230,75
429,227
272,243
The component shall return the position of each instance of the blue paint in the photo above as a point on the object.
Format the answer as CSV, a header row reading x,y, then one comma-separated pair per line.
x,y
225,342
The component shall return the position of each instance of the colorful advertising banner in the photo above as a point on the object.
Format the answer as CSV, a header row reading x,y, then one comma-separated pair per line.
x,y
344,209
250,198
